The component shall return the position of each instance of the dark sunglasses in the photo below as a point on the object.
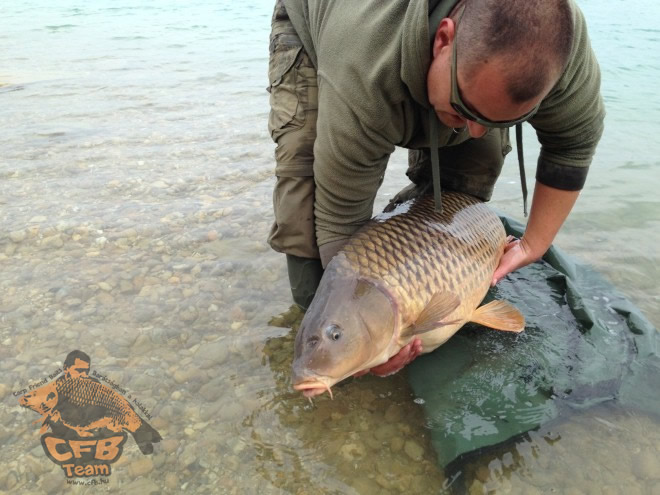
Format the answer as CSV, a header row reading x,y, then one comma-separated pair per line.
x,y
458,105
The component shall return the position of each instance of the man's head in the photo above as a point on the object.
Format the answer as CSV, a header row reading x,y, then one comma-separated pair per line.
x,y
507,56
76,364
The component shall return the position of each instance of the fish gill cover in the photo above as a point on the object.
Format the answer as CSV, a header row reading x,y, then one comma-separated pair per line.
x,y
584,344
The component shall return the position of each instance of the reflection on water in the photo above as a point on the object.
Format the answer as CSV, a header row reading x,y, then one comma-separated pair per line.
x,y
135,197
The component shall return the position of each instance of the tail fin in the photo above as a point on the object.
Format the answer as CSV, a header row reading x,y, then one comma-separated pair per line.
x,y
145,436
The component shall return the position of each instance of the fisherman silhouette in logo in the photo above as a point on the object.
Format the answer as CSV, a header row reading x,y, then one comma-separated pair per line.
x,y
76,405
76,365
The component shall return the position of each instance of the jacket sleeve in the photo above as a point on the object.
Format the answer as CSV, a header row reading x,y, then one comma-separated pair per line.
x,y
350,157
569,122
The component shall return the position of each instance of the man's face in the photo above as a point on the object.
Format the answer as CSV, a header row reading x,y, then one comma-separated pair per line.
x,y
79,368
484,93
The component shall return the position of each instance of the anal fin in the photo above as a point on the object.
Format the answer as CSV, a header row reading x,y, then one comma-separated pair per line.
x,y
499,315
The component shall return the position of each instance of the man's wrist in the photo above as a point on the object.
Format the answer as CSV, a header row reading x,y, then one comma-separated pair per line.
x,y
533,250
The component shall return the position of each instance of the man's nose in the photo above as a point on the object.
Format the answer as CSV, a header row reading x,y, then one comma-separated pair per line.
x,y
476,130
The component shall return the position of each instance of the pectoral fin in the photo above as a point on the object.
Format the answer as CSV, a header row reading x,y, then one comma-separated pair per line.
x,y
439,307
499,315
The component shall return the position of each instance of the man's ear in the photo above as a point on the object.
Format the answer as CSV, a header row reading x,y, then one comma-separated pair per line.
x,y
444,35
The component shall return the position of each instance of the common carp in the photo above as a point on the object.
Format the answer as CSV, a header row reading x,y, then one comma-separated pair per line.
x,y
85,405
411,273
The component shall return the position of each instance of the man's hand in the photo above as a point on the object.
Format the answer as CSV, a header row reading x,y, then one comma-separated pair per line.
x,y
516,255
550,207
405,356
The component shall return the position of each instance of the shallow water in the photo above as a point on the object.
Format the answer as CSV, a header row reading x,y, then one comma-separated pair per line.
x,y
135,187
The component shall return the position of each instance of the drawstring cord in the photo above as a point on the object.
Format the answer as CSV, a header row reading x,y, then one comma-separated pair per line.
x,y
435,160
521,166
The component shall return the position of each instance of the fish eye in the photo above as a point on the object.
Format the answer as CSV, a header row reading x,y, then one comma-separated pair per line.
x,y
333,332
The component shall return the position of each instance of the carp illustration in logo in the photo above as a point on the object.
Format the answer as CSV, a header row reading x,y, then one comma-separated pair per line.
x,y
88,420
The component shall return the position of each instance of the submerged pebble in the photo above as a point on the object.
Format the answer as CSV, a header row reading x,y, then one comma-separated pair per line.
x,y
646,465
413,450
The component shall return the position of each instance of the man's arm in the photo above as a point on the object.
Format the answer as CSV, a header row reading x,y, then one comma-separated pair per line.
x,y
570,120
350,157
550,207
569,125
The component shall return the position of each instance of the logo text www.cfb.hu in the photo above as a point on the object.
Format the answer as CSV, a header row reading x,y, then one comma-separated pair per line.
x,y
91,482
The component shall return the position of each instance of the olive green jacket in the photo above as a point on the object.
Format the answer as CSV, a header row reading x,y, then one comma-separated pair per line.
x,y
372,59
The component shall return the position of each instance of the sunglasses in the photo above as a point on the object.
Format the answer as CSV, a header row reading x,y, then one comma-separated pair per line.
x,y
459,106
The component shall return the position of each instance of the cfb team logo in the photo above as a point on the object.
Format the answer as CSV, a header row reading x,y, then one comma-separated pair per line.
x,y
88,421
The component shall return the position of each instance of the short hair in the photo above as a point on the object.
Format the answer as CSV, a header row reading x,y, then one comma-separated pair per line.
x,y
536,34
73,355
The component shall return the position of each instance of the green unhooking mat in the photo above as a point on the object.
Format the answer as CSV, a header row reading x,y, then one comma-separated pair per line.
x,y
583,344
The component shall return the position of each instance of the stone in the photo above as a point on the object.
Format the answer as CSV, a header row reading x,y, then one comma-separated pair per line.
x,y
393,413
11,480
53,482
477,488
4,390
232,412
142,486
352,451
646,465
482,473
385,432
212,354
396,444
169,445
171,481
212,390
413,450
54,241
105,298
140,467
17,236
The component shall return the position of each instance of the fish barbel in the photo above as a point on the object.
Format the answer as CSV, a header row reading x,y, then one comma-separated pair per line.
x,y
412,273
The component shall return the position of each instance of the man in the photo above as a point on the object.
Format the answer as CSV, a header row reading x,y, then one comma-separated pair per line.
x,y
351,80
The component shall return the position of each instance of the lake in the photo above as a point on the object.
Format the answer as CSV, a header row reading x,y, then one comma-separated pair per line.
x,y
135,199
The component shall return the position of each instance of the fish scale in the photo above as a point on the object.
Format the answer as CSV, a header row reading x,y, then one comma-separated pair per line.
x,y
456,250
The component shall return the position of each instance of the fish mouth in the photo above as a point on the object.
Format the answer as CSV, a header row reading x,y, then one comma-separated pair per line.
x,y
313,387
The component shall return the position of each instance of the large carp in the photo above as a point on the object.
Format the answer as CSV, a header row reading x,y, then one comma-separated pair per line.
x,y
412,273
